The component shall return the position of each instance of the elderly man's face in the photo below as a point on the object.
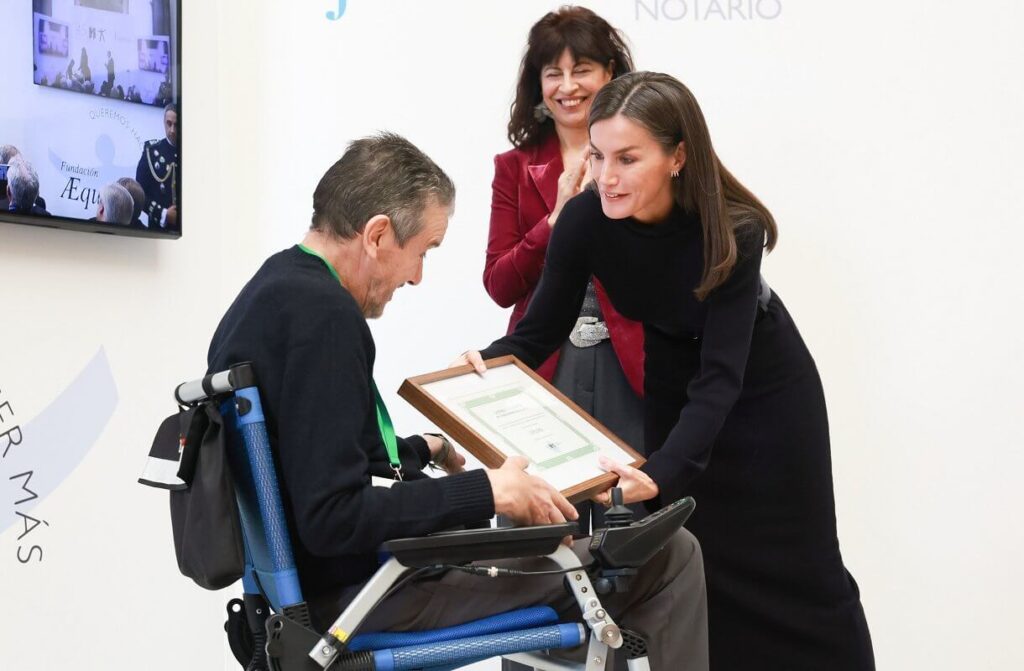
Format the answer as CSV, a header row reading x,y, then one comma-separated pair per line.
x,y
398,266
171,127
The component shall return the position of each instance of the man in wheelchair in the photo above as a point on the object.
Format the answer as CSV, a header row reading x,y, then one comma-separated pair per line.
x,y
302,322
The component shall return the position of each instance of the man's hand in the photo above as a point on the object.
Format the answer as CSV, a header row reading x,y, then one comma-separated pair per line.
x,y
636,485
526,499
471,357
451,462
172,217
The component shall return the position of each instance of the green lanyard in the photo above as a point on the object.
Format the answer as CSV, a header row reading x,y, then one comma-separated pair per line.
x,y
387,429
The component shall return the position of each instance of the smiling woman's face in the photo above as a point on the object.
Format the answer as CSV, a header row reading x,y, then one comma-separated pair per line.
x,y
568,86
632,171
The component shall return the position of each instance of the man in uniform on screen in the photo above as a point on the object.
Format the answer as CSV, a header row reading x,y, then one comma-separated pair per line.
x,y
159,173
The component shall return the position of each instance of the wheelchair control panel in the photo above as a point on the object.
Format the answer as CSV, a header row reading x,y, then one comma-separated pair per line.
x,y
624,545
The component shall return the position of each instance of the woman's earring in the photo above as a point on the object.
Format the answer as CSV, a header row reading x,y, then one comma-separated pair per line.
x,y
541,112
675,173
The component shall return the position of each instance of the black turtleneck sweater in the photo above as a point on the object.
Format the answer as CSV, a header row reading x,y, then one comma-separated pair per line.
x,y
650,272
734,416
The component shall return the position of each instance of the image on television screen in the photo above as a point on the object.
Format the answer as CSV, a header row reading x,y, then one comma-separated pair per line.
x,y
154,55
110,48
109,5
90,125
52,39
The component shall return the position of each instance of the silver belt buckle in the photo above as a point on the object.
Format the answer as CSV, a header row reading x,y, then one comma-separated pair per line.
x,y
588,332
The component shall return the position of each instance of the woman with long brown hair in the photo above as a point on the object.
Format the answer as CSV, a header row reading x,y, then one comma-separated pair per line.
x,y
571,53
734,408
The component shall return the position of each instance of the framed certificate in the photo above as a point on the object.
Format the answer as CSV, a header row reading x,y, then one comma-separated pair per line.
x,y
510,410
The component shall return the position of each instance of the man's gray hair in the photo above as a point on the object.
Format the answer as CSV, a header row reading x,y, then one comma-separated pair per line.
x,y
138,195
381,174
117,204
23,183
8,152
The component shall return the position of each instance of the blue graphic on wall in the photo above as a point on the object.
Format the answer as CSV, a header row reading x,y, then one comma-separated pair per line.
x,y
55,442
335,15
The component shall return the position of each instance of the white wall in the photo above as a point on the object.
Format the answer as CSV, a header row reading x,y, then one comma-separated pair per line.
x,y
884,136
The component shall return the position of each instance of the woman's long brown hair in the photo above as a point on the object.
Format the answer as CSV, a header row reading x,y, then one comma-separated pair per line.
x,y
664,107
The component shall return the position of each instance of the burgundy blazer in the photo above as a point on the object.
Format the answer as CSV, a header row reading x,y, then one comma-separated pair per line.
x,y
524,191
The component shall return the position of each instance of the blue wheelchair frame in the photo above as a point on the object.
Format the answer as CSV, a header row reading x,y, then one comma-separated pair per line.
x,y
285,641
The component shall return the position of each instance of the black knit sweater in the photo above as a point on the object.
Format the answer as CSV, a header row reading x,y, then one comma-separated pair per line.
x,y
313,355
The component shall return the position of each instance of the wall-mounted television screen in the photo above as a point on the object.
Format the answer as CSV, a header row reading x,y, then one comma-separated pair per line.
x,y
90,115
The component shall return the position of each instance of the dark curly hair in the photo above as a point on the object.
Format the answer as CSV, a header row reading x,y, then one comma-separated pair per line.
x,y
585,35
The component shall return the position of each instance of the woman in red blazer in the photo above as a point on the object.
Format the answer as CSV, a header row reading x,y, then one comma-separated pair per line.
x,y
570,55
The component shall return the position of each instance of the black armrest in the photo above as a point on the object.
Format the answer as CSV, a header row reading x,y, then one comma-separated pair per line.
x,y
457,547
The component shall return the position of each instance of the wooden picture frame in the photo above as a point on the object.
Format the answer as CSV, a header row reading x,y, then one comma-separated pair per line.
x,y
416,391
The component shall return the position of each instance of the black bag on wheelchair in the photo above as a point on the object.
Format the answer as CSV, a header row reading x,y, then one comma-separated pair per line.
x,y
189,458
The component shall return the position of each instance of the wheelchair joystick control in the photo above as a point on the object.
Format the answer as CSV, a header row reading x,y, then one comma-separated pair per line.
x,y
624,545
618,515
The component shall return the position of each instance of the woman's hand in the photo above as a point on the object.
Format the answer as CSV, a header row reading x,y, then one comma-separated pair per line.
x,y
635,484
471,357
588,177
570,183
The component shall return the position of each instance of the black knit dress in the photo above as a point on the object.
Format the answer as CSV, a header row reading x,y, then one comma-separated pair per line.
x,y
734,416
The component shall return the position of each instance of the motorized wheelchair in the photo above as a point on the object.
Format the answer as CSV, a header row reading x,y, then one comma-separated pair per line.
x,y
270,628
